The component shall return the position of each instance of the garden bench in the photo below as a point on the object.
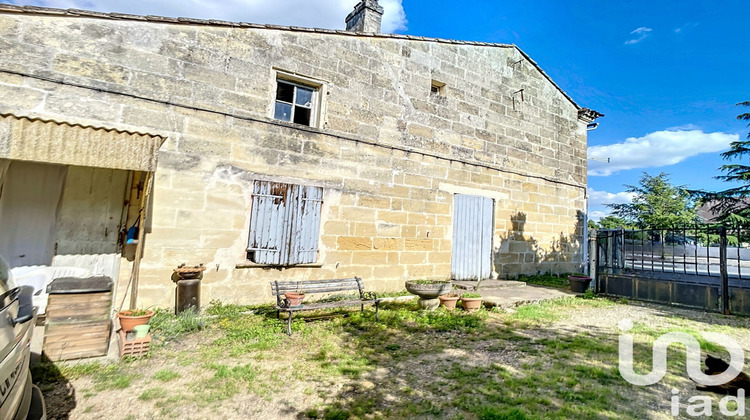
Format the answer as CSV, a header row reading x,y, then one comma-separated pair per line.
x,y
278,288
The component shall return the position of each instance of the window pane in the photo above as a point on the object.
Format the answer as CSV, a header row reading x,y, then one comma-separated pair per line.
x,y
283,112
302,115
304,97
285,92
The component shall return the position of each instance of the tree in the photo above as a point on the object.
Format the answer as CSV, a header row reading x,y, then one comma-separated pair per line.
x,y
613,222
732,204
657,204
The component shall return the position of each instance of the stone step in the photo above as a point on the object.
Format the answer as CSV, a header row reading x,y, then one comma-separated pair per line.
x,y
489,284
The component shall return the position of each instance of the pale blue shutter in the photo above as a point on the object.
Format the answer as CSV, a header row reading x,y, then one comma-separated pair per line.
x,y
284,223
268,223
305,224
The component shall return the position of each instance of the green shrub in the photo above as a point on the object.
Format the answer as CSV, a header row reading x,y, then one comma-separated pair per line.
x,y
166,326
548,279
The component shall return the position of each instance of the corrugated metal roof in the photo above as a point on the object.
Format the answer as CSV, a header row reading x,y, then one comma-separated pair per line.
x,y
64,143
74,124
9,8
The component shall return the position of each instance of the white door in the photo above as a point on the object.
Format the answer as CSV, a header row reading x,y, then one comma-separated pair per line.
x,y
472,237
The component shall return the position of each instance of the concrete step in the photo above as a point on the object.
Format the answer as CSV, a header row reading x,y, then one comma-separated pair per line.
x,y
489,284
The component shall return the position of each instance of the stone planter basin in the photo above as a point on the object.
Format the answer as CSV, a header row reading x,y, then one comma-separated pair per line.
x,y
430,290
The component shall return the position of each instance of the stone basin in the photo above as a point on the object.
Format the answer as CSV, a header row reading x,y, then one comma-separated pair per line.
x,y
430,290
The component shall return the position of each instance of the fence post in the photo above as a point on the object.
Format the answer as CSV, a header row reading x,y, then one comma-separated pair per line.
x,y
618,250
593,256
723,270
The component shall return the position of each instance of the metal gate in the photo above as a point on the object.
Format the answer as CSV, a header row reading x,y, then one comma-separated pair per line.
x,y
473,220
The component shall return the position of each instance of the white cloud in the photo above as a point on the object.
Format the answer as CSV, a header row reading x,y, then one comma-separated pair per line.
x,y
308,13
597,215
661,148
640,33
600,198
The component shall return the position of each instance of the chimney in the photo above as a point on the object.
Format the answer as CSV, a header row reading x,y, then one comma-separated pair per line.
x,y
366,17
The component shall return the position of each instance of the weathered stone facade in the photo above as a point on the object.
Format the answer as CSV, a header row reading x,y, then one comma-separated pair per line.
x,y
388,153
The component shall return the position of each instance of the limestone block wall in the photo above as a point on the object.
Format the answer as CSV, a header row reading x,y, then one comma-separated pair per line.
x,y
388,153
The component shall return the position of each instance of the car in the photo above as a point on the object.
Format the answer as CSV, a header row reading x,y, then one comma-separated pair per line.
x,y
19,397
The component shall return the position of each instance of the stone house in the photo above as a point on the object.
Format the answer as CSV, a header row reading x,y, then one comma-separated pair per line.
x,y
269,152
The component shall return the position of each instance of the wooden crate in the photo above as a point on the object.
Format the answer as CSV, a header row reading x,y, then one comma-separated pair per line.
x,y
134,347
76,340
77,325
80,307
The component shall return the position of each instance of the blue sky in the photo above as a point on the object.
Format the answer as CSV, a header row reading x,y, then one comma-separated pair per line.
x,y
665,73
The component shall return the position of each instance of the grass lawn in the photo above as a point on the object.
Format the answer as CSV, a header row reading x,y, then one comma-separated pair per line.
x,y
551,360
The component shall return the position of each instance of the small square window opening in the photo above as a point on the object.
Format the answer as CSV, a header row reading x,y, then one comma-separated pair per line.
x,y
437,88
295,102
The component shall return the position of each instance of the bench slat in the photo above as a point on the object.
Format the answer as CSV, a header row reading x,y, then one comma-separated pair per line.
x,y
318,289
318,286
325,305
288,282
315,286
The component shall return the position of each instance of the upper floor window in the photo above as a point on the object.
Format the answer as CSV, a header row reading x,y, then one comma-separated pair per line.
x,y
298,99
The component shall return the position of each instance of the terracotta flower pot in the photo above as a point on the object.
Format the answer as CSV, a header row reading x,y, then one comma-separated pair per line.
x,y
448,302
579,284
294,298
471,304
128,321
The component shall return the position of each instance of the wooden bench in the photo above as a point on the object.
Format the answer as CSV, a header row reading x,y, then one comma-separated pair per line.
x,y
278,288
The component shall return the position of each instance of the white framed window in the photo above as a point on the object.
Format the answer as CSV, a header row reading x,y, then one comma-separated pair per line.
x,y
298,99
284,224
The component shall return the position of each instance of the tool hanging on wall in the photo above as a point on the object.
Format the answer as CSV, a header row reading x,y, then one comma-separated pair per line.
x,y
132,235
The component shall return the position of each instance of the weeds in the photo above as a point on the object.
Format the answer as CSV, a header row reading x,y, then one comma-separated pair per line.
x,y
166,375
166,326
549,280
152,394
221,310
112,377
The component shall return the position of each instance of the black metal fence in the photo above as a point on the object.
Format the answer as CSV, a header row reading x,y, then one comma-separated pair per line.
x,y
706,266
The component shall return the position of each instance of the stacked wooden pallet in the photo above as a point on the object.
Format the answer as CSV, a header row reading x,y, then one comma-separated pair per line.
x,y
78,322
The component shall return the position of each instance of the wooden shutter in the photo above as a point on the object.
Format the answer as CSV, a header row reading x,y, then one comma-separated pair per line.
x,y
267,225
305,225
284,223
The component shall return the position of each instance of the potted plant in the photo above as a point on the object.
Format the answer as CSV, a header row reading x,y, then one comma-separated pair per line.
x,y
448,301
295,298
471,301
579,283
131,318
